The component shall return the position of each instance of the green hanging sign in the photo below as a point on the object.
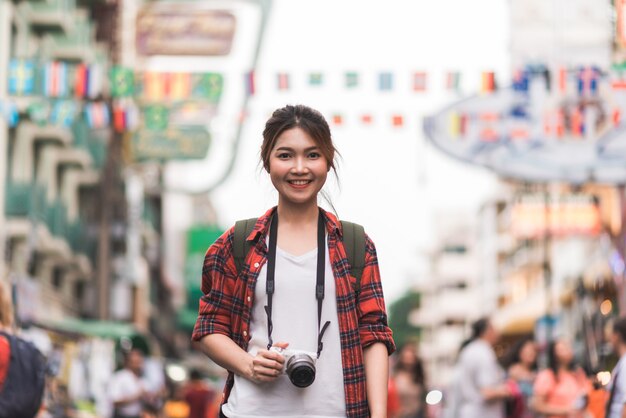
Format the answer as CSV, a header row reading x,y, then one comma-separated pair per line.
x,y
122,82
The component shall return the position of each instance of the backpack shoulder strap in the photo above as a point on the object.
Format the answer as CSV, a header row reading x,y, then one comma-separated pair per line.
x,y
354,243
241,246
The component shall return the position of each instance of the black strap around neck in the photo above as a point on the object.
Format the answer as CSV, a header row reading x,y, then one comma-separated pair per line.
x,y
319,285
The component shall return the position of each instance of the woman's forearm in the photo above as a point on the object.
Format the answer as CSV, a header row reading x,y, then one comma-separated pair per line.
x,y
227,354
376,378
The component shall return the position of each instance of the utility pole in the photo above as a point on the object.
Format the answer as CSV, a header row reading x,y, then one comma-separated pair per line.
x,y
108,182
5,33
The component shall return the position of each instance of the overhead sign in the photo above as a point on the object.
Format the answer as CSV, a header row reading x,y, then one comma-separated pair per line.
x,y
184,29
558,124
532,216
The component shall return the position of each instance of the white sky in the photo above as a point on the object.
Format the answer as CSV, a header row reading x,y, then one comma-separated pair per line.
x,y
392,182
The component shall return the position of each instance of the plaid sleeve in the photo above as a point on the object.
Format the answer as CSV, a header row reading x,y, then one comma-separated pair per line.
x,y
218,279
373,325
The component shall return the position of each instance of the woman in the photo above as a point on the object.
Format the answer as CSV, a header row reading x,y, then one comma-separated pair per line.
x,y
410,382
560,391
253,329
522,371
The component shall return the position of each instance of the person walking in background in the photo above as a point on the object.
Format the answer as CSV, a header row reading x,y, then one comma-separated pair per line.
x,y
292,302
127,389
198,395
410,382
521,364
616,404
561,390
480,388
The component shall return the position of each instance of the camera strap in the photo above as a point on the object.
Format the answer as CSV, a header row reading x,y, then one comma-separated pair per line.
x,y
319,286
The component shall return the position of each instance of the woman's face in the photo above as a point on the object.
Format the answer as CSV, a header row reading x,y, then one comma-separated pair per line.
x,y
564,353
297,168
528,353
408,356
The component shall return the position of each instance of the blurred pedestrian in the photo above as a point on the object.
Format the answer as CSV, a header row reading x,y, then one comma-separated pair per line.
x,y
521,364
127,388
561,390
479,388
616,404
294,277
198,395
410,382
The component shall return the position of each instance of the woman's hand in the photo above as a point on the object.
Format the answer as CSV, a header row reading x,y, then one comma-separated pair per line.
x,y
267,365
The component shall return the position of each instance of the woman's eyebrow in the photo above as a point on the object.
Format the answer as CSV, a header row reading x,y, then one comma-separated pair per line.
x,y
291,149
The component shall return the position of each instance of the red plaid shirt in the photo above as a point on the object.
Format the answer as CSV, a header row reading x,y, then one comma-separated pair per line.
x,y
227,303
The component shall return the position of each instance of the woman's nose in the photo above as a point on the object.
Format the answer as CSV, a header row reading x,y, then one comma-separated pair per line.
x,y
299,165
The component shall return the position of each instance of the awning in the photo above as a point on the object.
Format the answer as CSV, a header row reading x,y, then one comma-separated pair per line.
x,y
92,328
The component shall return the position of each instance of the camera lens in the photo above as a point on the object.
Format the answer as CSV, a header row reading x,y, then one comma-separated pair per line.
x,y
301,370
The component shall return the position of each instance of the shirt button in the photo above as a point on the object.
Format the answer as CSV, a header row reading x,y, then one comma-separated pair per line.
x,y
245,333
256,265
249,298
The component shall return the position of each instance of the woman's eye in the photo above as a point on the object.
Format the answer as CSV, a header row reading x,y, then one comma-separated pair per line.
x,y
314,155
283,155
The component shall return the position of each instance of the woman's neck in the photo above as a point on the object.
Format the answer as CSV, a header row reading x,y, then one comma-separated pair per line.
x,y
300,214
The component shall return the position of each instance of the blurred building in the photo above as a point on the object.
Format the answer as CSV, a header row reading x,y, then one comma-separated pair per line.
x,y
451,297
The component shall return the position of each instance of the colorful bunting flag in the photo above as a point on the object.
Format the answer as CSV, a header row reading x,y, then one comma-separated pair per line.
x,y
454,125
81,81
397,121
488,84
9,112
316,79
97,115
21,77
337,119
419,81
180,86
453,81
616,116
577,123
282,81
520,81
63,113
352,79
209,86
562,79
154,86
367,119
55,80
588,81
385,81
122,82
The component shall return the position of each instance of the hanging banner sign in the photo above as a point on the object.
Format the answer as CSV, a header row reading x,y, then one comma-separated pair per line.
x,y
572,214
534,131
175,29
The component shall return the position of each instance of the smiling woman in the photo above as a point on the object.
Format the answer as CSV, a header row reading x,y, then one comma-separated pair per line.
x,y
279,295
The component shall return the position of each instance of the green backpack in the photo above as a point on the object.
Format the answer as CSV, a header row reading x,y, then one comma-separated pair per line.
x,y
353,241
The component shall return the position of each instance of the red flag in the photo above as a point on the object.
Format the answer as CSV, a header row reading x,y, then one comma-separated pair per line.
x,y
119,119
337,119
397,121
419,81
80,82
562,79
488,82
283,81
366,119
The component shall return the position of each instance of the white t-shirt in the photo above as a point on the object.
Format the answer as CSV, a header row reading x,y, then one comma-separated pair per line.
x,y
126,384
294,316
619,397
478,368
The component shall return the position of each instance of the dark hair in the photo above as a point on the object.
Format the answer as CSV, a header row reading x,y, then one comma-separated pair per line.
x,y
619,327
553,362
478,329
513,356
299,116
195,374
416,370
